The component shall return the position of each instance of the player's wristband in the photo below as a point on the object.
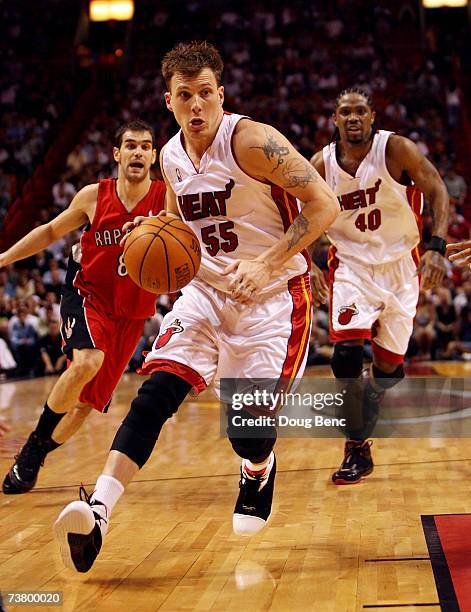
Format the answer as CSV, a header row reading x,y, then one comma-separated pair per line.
x,y
436,244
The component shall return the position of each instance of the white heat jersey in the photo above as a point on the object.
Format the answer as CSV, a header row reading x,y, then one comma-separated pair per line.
x,y
233,215
380,218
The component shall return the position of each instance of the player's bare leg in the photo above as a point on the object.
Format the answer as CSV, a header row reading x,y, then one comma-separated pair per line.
x,y
65,393
23,474
71,422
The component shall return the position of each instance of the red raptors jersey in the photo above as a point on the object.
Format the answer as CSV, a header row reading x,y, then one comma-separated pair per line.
x,y
96,269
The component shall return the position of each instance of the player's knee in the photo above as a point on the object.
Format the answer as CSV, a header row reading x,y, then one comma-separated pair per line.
x,y
80,412
85,364
347,360
254,443
255,450
157,400
387,380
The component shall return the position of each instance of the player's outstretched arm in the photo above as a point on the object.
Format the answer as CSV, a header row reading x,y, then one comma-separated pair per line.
x,y
405,155
80,211
265,154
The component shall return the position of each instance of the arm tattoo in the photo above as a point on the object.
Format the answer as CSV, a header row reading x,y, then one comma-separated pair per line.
x,y
298,173
298,229
273,150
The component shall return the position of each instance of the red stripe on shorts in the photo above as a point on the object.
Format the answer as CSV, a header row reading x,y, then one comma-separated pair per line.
x,y
385,355
174,367
300,329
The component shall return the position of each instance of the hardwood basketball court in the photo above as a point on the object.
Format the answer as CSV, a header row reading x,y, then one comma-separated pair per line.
x,y
171,546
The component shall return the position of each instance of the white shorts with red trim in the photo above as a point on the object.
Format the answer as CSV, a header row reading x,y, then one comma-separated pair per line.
x,y
374,302
208,336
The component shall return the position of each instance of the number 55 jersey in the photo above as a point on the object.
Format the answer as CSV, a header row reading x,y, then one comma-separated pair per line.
x,y
234,215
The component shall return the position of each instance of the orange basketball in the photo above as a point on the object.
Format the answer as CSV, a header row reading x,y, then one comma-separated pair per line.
x,y
162,254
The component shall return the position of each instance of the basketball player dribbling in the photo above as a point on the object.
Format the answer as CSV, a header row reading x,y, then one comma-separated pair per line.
x,y
102,309
379,178
246,314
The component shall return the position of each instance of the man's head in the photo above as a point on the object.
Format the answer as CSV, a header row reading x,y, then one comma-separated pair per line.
x,y
192,73
354,116
134,150
22,313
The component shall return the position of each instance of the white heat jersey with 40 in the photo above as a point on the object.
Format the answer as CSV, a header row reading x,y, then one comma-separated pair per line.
x,y
234,215
380,218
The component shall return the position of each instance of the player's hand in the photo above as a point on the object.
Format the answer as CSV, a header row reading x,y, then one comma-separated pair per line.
x,y
170,215
320,289
4,428
432,266
128,227
250,278
463,256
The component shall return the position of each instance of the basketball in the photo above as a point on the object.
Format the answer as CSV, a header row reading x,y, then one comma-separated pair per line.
x,y
162,255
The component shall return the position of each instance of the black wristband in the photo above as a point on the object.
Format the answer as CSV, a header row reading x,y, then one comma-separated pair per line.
x,y
437,244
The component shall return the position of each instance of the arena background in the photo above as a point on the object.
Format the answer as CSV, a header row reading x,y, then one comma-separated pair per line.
x,y
399,540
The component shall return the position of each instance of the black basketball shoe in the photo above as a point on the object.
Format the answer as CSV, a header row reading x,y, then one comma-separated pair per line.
x,y
24,472
253,506
356,464
79,531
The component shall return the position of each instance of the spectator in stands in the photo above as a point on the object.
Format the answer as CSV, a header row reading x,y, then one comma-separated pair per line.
x,y
423,335
47,316
458,226
54,277
463,296
457,188
453,104
461,348
62,193
42,261
51,358
23,340
7,361
446,320
25,286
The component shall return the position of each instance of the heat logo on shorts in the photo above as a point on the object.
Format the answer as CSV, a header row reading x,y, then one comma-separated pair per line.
x,y
346,313
175,327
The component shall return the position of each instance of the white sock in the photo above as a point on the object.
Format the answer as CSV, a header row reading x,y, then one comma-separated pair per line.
x,y
107,490
259,467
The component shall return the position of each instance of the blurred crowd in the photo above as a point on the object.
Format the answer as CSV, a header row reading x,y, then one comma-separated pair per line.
x,y
273,73
36,91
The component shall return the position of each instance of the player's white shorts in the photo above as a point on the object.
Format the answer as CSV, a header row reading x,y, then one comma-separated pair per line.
x,y
374,302
208,336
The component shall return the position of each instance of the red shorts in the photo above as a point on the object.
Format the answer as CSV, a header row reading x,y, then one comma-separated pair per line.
x,y
85,327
